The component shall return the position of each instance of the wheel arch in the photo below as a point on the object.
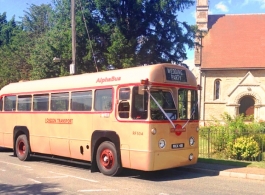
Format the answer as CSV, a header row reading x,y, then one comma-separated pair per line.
x,y
99,136
20,130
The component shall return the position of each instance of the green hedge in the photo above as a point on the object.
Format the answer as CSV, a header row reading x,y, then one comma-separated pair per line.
x,y
239,137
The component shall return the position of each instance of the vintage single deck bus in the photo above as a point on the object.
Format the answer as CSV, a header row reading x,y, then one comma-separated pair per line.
x,y
143,118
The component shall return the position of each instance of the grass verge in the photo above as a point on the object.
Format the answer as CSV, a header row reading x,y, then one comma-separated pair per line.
x,y
260,164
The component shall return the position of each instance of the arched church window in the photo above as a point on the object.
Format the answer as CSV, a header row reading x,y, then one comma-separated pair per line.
x,y
246,106
217,84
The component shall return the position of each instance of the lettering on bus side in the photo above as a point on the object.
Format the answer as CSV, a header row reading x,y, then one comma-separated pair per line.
x,y
137,133
58,121
108,79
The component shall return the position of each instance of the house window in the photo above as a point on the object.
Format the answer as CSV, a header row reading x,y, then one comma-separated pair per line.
x,y
217,84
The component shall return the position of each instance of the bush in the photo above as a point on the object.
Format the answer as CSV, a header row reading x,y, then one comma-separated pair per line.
x,y
260,138
221,135
244,148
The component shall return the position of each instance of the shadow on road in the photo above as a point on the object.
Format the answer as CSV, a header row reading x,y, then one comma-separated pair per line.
x,y
48,189
163,175
5,150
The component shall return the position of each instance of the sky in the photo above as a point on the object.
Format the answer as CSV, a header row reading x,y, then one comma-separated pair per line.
x,y
16,8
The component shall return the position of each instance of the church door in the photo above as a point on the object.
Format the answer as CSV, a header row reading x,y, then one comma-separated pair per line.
x,y
247,106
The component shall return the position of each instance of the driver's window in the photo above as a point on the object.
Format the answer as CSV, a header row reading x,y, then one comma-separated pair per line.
x,y
164,99
188,104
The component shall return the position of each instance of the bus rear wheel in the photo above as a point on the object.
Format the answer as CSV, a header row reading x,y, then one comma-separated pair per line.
x,y
107,159
22,148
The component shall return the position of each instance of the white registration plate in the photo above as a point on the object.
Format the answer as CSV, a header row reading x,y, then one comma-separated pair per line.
x,y
175,146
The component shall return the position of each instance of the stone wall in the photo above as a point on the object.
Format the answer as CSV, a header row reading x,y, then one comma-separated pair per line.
x,y
234,85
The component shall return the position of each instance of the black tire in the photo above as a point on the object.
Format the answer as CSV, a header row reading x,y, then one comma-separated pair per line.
x,y
107,159
22,148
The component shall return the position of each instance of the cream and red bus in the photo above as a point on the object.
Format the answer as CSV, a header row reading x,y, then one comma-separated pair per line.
x,y
143,118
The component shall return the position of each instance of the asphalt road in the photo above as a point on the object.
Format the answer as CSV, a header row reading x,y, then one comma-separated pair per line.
x,y
42,176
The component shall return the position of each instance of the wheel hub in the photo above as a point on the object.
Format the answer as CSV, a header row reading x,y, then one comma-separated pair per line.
x,y
106,158
21,147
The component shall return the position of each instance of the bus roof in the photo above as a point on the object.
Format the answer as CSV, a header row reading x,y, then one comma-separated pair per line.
x,y
154,73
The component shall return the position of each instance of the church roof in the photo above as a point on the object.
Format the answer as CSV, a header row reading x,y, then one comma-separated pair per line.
x,y
234,41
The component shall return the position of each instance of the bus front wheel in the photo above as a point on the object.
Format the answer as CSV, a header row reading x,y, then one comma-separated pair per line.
x,y
107,159
22,148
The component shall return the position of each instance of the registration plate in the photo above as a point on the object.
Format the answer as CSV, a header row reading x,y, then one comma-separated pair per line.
x,y
175,146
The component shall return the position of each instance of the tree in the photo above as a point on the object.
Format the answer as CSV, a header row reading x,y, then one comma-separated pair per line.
x,y
145,31
50,30
119,32
14,52
37,19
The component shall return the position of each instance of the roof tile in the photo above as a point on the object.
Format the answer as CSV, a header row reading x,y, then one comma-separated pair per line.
x,y
234,41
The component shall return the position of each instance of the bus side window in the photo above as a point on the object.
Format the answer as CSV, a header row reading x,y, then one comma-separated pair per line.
x,y
139,104
103,100
10,103
24,103
1,104
60,101
81,101
41,102
124,105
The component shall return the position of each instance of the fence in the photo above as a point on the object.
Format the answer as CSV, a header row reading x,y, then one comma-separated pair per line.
x,y
222,143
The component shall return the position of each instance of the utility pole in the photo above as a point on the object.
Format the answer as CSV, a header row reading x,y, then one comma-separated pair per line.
x,y
72,66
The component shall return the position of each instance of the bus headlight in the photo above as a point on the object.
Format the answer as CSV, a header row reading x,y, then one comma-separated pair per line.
x,y
192,141
190,157
162,143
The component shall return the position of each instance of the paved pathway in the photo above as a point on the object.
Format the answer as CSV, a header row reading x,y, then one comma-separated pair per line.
x,y
228,171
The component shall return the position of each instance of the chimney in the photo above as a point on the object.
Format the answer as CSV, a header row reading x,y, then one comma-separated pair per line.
x,y
202,23
202,14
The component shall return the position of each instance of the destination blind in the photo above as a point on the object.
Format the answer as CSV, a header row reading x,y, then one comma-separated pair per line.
x,y
174,74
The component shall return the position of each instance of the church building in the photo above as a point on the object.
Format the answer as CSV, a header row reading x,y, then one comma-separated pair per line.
x,y
230,64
